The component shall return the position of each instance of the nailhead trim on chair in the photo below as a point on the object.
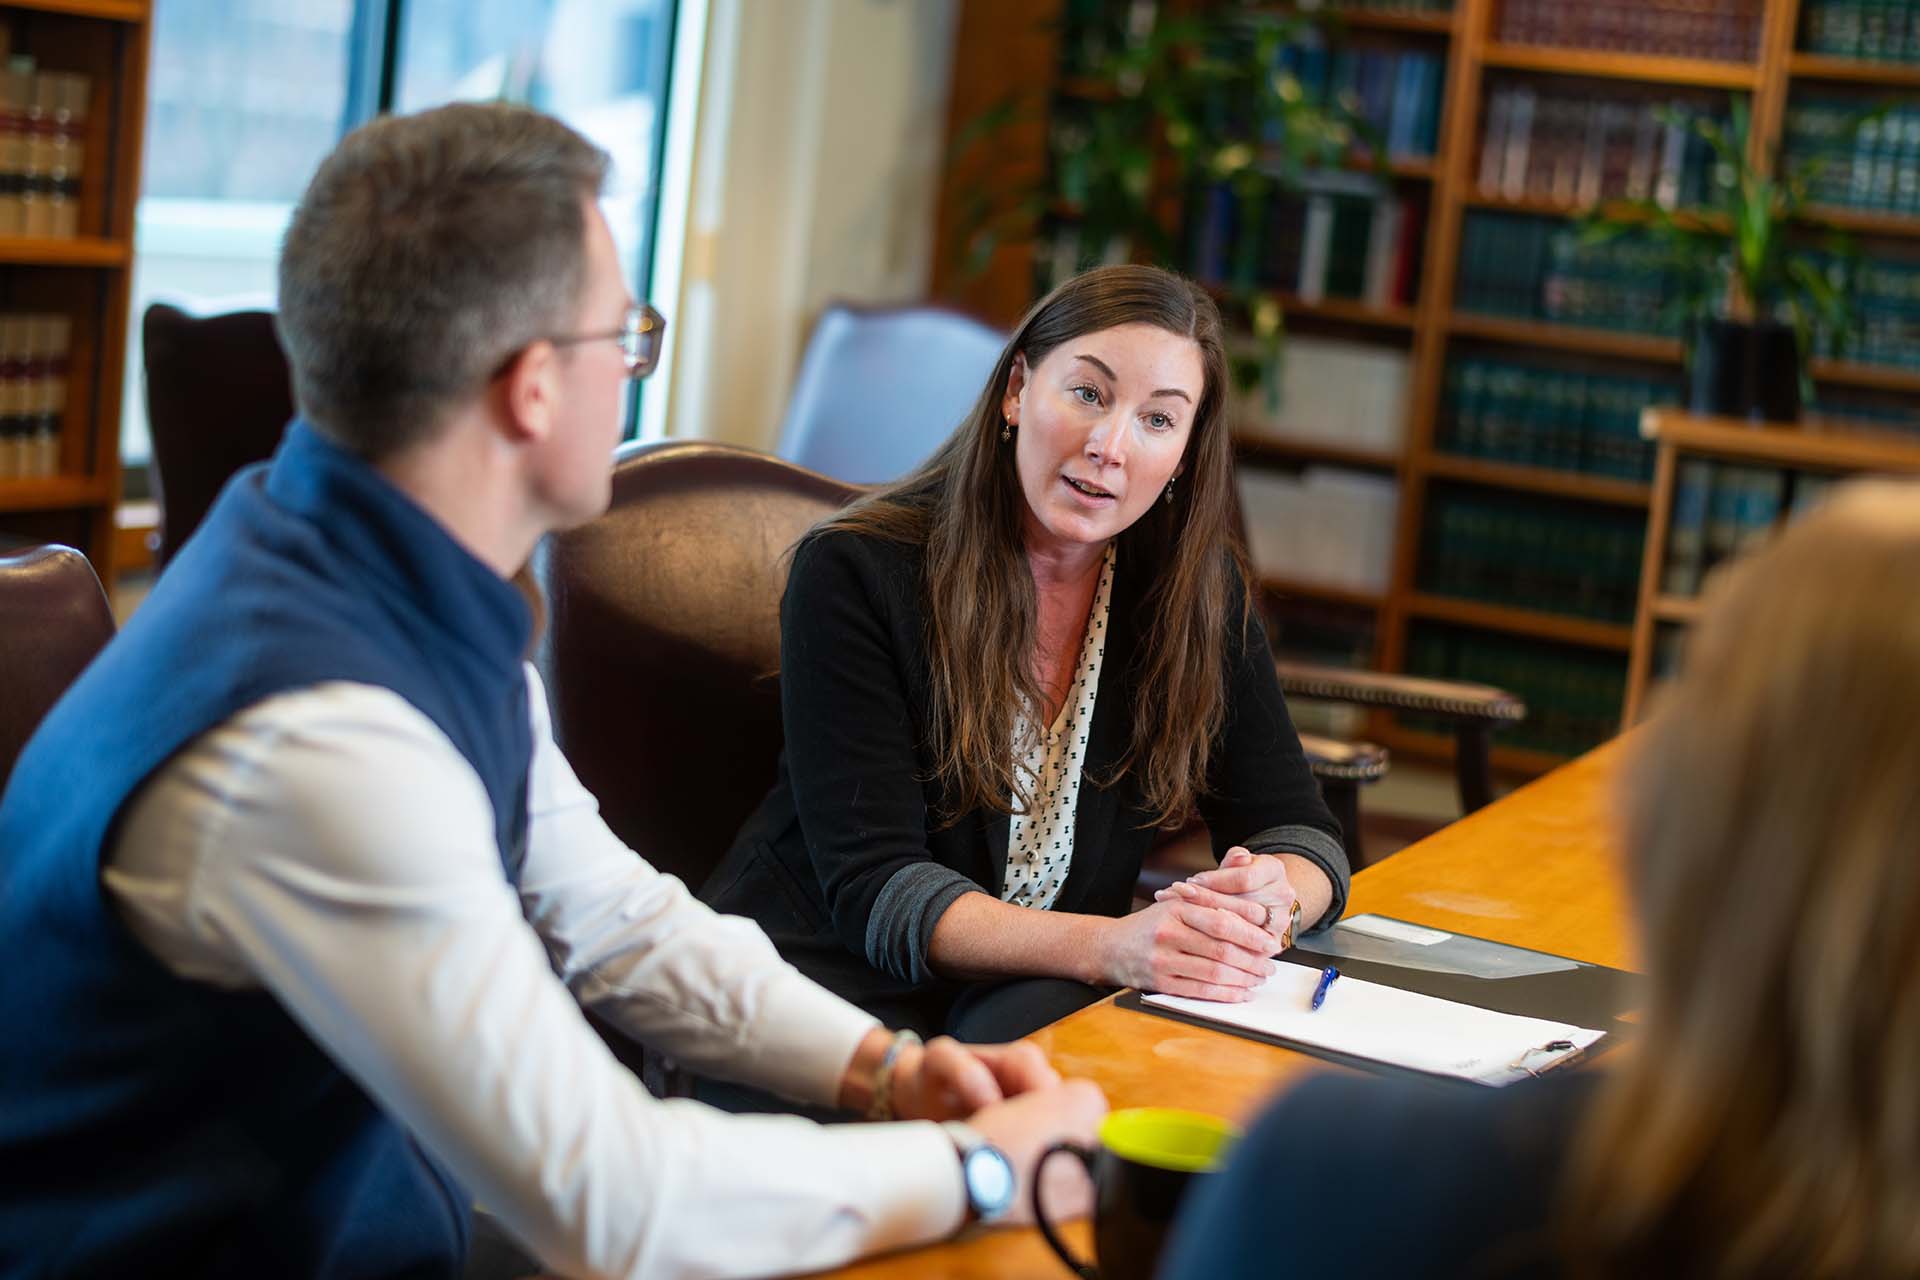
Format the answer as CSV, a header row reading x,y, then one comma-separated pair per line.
x,y
1337,761
1497,710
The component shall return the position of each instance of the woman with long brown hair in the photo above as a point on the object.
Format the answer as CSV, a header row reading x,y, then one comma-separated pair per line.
x,y
1768,1122
1000,674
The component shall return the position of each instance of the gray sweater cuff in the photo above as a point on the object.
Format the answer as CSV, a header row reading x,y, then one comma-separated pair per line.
x,y
900,929
1317,847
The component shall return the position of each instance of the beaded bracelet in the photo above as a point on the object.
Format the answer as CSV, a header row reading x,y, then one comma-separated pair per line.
x,y
881,1108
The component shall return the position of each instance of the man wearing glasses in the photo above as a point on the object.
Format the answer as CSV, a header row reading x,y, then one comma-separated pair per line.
x,y
303,902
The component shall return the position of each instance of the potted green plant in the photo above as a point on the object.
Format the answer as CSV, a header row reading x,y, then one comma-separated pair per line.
x,y
1166,106
1755,278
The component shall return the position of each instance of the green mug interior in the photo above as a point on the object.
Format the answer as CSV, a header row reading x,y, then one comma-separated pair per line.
x,y
1167,1138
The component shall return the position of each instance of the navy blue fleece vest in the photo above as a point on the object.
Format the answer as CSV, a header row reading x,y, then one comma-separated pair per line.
x,y
154,1125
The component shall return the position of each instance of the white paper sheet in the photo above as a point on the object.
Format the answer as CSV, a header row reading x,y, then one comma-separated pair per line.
x,y
1402,1028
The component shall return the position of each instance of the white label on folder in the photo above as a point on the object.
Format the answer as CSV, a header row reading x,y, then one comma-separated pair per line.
x,y
1394,930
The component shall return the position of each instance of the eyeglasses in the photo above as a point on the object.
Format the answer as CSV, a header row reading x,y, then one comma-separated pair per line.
x,y
640,337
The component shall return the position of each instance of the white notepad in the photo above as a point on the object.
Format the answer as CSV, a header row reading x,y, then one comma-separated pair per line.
x,y
1401,1028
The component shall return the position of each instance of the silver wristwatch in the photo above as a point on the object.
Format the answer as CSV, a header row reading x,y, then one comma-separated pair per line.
x,y
986,1172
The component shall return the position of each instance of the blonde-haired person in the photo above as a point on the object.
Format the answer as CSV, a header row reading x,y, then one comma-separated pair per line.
x,y
1001,673
1768,1124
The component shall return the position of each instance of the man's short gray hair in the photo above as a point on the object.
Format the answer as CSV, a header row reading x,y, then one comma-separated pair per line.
x,y
427,250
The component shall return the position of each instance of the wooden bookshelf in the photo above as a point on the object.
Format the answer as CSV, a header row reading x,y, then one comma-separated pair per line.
x,y
994,39
1554,336
1530,479
1350,311
1438,24
86,278
1701,73
1255,447
1676,609
76,251
54,493
1890,75
1327,591
1876,377
1867,222
1414,168
1549,208
1800,448
1557,627
132,11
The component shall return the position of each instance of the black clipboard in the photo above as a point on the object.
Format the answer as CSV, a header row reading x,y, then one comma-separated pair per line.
x,y
1587,995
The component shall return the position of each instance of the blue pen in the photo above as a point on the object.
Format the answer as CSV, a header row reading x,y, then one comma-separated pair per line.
x,y
1327,976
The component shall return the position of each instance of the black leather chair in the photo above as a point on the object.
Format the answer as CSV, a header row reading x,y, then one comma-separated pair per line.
x,y
218,398
53,620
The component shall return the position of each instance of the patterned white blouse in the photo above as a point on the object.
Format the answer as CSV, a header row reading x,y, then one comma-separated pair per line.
x,y
1040,840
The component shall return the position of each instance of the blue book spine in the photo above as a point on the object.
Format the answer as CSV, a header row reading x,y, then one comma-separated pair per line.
x,y
1686,534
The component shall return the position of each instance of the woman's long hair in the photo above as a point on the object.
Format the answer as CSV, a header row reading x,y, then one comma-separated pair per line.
x,y
1769,1124
965,506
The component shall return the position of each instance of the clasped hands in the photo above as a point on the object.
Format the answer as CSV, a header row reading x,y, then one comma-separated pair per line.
x,y
1210,936
1009,1093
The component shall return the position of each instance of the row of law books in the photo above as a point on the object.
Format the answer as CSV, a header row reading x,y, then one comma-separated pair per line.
x,y
1513,411
1886,312
1884,30
1091,30
1573,696
1576,149
1396,92
1722,511
1540,268
1721,30
43,122
1346,240
1526,552
1870,164
35,351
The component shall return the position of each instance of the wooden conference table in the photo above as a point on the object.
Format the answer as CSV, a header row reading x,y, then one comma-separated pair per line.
x,y
1536,869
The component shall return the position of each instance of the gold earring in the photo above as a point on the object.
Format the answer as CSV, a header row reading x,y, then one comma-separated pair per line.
x,y
1006,430
1169,493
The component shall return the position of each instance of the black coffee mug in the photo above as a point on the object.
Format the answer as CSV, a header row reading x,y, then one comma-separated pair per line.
x,y
1146,1163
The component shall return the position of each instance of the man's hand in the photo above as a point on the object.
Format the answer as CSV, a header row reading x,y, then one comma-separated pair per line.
x,y
948,1080
1025,1126
944,1079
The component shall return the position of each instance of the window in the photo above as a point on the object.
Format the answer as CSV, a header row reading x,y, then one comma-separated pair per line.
x,y
246,96
600,65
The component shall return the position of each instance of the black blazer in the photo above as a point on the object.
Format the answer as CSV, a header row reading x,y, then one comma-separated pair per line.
x,y
842,864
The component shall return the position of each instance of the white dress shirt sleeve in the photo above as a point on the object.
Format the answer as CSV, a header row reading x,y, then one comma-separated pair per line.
x,y
636,947
333,847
